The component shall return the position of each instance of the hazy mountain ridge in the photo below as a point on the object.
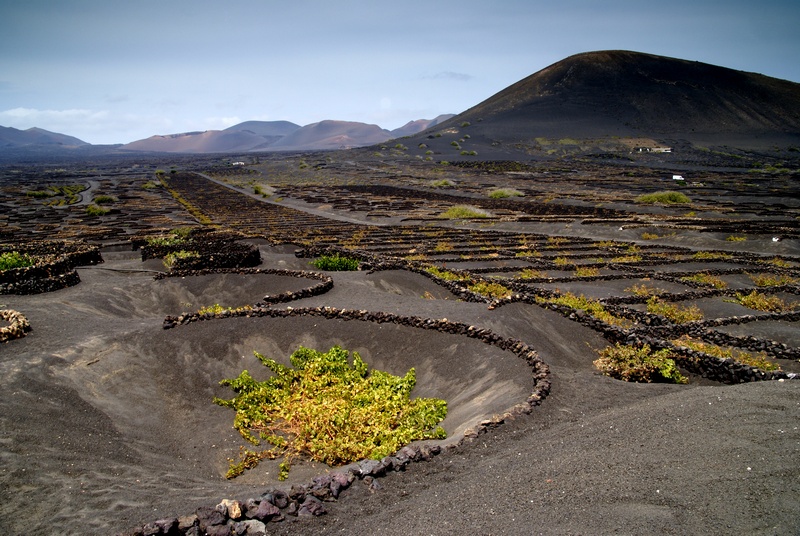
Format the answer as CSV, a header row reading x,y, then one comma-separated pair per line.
x,y
12,137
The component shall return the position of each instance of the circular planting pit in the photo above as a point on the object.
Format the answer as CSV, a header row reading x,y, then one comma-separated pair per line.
x,y
154,389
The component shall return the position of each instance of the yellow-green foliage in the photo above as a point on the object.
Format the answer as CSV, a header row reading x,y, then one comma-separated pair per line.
x,y
734,238
706,279
530,273
329,410
667,198
445,274
764,302
626,259
638,364
672,312
769,280
458,212
501,193
758,360
490,290
335,263
96,210
586,271
15,259
171,258
643,290
582,303
711,256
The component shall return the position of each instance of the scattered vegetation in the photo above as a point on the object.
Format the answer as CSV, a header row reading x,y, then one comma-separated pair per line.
x,y
62,195
644,290
104,200
706,279
530,273
443,183
172,258
758,360
590,306
328,410
459,212
764,302
444,274
336,263
639,364
490,290
711,256
734,238
14,259
770,280
501,193
586,271
673,312
96,210
664,198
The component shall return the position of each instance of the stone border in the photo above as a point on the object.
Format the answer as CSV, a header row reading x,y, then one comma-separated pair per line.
x,y
18,325
54,269
325,284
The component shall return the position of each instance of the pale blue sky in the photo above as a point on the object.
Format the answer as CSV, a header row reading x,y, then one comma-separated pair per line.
x,y
111,72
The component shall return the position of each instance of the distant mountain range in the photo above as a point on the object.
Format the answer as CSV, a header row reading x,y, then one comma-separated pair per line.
x,y
595,95
280,136
12,137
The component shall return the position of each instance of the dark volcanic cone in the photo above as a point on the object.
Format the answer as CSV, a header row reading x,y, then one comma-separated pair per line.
x,y
620,93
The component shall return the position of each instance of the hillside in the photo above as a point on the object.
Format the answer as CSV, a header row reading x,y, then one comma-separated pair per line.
x,y
331,135
629,94
412,127
11,138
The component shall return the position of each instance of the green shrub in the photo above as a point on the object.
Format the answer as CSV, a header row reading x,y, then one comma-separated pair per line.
x,y
501,193
40,194
14,259
586,271
711,256
445,274
490,290
94,210
104,199
582,303
328,410
442,183
769,280
763,302
706,279
633,364
336,263
758,360
672,312
458,212
667,198
172,258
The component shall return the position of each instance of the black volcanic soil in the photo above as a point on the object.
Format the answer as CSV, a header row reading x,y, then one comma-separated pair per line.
x,y
107,417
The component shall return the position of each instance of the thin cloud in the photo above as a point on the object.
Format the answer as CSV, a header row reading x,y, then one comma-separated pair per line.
x,y
28,117
450,75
